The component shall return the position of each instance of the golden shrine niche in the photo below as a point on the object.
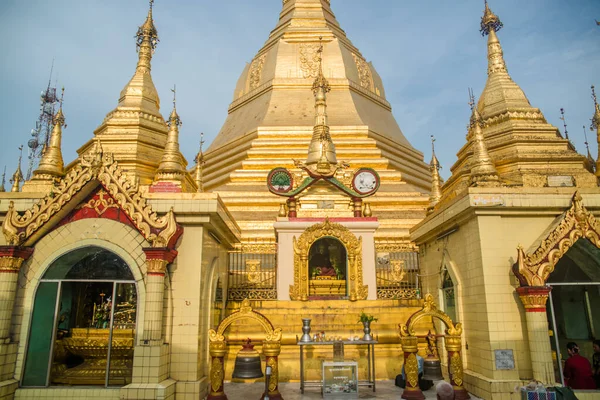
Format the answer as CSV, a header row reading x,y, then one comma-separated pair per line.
x,y
352,286
577,222
271,348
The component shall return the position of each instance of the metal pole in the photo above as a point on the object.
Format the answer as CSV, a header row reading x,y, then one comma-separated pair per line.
x,y
267,379
558,356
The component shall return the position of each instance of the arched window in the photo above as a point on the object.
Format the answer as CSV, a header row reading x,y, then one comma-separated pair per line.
x,y
83,323
328,268
449,296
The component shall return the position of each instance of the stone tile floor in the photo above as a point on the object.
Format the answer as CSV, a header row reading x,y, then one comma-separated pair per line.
x,y
291,391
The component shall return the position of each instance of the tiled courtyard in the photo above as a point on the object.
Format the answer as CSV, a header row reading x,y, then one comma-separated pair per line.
x,y
291,391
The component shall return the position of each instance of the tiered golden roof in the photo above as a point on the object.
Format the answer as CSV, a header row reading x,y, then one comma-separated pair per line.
x,y
522,145
135,132
271,123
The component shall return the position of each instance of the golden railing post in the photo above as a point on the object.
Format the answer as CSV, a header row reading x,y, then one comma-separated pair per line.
x,y
352,285
271,350
455,366
217,370
411,368
534,300
305,280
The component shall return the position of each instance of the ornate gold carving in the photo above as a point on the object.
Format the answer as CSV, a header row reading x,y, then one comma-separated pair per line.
x,y
18,228
272,362
534,301
256,71
398,273
456,368
394,247
353,245
577,222
258,248
216,374
411,369
309,59
101,204
156,266
430,309
364,72
253,268
10,264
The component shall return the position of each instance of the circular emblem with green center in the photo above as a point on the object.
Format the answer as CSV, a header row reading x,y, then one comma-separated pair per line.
x,y
280,180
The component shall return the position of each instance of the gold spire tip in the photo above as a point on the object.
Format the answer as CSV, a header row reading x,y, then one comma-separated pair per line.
x,y
174,90
489,21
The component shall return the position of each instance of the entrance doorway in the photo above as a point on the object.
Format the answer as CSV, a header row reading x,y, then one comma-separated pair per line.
x,y
574,303
83,324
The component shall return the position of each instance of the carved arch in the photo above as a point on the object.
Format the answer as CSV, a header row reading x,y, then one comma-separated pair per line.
x,y
24,229
534,268
356,289
430,310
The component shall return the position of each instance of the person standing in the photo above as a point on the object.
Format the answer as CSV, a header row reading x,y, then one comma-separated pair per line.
x,y
596,362
578,371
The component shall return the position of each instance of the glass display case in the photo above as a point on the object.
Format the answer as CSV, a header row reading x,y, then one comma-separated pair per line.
x,y
340,379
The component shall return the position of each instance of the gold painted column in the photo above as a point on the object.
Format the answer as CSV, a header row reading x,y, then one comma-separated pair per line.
x,y
217,350
271,352
455,366
534,299
157,260
411,369
11,259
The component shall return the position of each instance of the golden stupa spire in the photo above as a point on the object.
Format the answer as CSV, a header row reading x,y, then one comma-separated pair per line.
x,y
490,24
2,189
17,177
590,164
321,151
51,164
596,126
200,166
436,181
147,39
172,165
483,171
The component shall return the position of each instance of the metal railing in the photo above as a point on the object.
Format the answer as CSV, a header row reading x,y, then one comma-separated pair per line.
x,y
398,275
253,272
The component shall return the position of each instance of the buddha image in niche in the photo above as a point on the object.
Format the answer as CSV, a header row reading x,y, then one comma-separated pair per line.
x,y
327,259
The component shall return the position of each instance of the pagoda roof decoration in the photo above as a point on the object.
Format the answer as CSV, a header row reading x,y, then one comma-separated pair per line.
x,y
94,168
436,181
51,165
534,266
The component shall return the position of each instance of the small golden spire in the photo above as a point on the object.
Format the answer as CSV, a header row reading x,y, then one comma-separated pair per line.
x,y
172,164
147,40
490,24
590,165
200,166
17,177
2,189
483,171
436,181
596,126
52,165
321,151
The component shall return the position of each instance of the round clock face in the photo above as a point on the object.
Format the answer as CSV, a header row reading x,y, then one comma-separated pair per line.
x,y
365,181
280,180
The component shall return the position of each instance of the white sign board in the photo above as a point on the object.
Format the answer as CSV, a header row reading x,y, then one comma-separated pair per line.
x,y
504,359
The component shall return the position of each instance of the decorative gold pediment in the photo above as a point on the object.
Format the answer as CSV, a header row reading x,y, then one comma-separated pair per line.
x,y
534,268
27,227
353,245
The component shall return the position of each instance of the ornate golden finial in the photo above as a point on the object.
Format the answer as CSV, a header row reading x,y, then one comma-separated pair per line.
x,y
562,117
321,151
596,117
51,164
590,165
17,177
483,171
490,24
436,181
2,189
172,164
200,166
146,41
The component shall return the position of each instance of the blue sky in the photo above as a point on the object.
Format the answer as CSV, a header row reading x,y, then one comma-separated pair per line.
x,y
427,52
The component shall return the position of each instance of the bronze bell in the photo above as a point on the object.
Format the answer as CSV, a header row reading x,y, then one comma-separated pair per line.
x,y
432,369
247,363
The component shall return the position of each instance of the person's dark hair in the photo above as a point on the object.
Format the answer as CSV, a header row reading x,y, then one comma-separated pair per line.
x,y
573,347
596,342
